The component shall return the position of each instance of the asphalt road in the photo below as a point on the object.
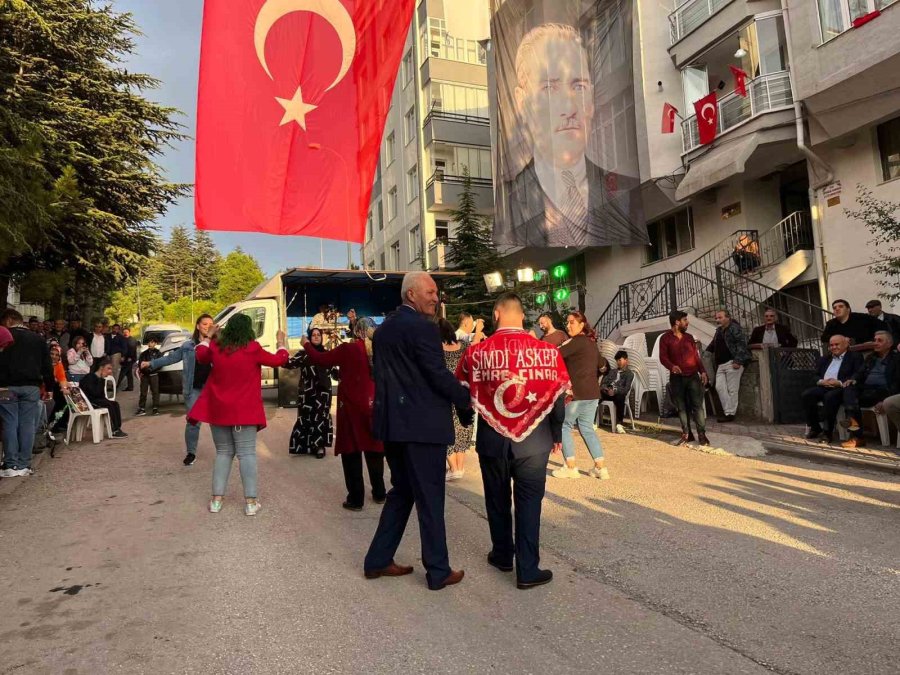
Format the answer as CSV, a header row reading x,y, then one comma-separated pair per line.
x,y
682,563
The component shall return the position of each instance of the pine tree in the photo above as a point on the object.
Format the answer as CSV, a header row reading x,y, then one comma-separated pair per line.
x,y
471,251
176,263
206,261
239,274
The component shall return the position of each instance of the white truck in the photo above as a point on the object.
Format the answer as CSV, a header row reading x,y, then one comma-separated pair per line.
x,y
290,300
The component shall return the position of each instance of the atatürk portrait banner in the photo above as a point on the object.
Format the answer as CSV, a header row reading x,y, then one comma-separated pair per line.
x,y
566,141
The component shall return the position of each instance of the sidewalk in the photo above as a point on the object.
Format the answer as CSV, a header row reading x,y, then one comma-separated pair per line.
x,y
789,439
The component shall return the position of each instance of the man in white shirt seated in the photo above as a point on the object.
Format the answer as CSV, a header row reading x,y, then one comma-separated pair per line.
x,y
833,371
561,198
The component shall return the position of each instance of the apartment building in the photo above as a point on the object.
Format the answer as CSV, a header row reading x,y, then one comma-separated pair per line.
x,y
438,125
821,115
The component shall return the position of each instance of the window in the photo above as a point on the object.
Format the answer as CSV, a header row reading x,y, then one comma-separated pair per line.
x,y
889,148
258,318
407,68
395,255
458,99
383,266
412,184
476,160
379,211
392,204
441,230
670,236
390,149
369,221
436,42
415,243
837,16
409,126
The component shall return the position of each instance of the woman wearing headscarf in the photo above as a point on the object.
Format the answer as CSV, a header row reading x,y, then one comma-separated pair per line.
x,y
585,366
313,431
231,402
355,396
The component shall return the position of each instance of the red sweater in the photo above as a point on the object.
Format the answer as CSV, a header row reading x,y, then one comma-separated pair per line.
x,y
233,393
682,353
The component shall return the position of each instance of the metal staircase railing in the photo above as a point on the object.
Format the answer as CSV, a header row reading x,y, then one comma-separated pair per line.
x,y
700,284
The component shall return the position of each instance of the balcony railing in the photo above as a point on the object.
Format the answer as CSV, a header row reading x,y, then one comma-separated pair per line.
x,y
437,253
691,15
438,114
442,177
765,94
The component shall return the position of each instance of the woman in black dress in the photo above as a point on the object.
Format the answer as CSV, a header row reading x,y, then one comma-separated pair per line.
x,y
313,431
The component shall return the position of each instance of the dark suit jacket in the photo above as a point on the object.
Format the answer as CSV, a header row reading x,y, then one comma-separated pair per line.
x,y
782,332
615,213
892,321
853,361
491,444
892,368
414,391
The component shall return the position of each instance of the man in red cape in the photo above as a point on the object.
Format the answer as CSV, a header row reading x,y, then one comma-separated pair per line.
x,y
517,384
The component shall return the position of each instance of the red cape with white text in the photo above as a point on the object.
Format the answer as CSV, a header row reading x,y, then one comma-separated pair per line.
x,y
293,99
515,380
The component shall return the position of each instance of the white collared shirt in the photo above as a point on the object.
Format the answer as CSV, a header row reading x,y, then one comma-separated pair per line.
x,y
551,180
770,336
834,367
98,346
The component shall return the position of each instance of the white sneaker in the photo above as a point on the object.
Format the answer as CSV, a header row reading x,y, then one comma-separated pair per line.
x,y
9,473
600,474
27,471
252,509
566,472
620,429
215,505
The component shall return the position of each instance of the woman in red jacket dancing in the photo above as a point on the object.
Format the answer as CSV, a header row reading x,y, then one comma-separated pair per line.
x,y
356,392
231,402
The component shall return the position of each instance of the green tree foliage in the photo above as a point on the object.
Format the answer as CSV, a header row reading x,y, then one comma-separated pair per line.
x,y
183,313
175,263
239,273
79,186
206,259
471,251
137,302
883,220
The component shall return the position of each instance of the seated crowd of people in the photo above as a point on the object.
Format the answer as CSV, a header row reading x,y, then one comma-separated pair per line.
x,y
41,363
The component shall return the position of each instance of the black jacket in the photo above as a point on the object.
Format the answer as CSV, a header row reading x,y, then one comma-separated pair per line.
x,y
93,388
117,344
859,327
414,391
491,444
621,385
892,371
26,362
853,361
782,332
149,354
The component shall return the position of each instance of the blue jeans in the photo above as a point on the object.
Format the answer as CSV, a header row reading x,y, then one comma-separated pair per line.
x,y
231,441
20,418
191,431
582,415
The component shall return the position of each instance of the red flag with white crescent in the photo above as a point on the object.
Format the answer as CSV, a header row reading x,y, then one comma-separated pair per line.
x,y
515,380
740,81
668,118
707,109
292,104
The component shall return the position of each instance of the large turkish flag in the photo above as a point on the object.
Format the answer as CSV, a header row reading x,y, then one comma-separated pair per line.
x,y
707,109
293,99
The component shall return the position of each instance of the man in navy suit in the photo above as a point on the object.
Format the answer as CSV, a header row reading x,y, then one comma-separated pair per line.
x,y
412,414
516,470
833,371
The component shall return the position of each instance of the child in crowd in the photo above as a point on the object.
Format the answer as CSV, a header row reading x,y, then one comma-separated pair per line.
x,y
149,379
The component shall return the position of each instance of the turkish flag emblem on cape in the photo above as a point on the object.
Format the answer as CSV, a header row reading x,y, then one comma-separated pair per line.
x,y
515,380
292,104
707,109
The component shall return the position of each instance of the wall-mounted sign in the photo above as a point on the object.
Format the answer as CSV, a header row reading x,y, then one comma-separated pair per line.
x,y
832,190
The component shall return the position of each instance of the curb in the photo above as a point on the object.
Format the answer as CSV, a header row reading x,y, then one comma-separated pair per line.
x,y
832,457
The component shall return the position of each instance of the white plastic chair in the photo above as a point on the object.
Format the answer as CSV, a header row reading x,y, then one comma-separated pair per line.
x,y
637,342
884,427
109,384
611,407
79,419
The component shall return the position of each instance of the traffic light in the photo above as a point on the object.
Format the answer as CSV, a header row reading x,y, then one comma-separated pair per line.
x,y
561,294
560,272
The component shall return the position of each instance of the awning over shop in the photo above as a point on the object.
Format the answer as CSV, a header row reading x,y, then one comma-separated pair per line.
x,y
718,165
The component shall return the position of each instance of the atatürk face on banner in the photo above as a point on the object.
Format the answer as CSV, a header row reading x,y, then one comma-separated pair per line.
x,y
555,96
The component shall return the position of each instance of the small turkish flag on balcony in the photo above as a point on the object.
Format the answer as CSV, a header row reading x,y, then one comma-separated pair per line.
x,y
292,104
707,109
740,81
668,118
